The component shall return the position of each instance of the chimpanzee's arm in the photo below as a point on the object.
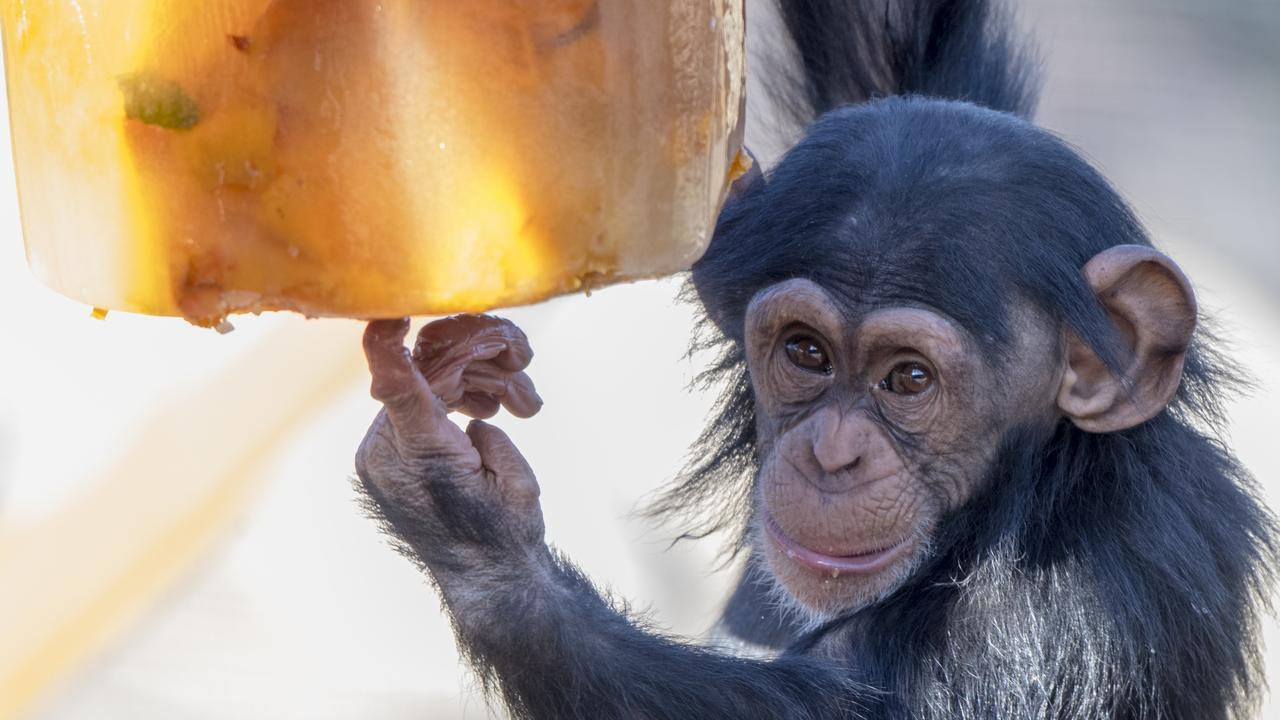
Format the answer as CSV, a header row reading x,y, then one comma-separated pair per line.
x,y
539,633
465,507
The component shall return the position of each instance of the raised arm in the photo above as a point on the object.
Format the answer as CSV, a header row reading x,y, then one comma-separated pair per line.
x,y
464,506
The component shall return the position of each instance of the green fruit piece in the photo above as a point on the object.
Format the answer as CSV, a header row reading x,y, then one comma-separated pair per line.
x,y
156,101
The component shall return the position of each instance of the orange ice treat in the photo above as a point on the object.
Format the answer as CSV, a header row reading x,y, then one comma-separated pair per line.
x,y
367,158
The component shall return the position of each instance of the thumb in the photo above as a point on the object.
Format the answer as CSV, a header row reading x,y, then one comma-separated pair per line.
x,y
500,456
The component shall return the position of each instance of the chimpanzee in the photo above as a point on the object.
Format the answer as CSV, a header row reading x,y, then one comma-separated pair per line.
x,y
970,444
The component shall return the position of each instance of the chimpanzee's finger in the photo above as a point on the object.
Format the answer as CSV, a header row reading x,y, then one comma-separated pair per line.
x,y
518,353
514,390
501,457
448,385
521,399
442,359
384,349
444,371
485,377
413,409
443,365
481,406
458,331
451,339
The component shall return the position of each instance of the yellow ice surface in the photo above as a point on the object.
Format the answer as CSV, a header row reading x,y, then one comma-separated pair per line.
x,y
367,158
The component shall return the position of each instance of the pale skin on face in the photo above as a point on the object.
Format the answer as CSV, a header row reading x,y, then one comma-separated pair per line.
x,y
833,478
879,426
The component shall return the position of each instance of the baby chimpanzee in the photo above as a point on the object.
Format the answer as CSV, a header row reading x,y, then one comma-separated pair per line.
x,y
967,440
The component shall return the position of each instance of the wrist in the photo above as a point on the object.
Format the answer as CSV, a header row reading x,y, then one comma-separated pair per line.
x,y
509,586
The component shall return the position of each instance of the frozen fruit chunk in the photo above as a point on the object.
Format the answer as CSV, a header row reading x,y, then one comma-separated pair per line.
x,y
155,101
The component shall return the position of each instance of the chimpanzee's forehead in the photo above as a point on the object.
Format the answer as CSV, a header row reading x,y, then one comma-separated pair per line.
x,y
942,206
894,249
945,206
801,299
955,283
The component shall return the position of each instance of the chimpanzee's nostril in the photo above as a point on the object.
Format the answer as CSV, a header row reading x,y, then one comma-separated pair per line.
x,y
837,466
835,483
834,456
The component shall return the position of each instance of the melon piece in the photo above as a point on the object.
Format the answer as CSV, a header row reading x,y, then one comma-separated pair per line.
x,y
367,158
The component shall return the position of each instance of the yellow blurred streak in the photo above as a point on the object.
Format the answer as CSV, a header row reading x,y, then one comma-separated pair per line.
x,y
186,477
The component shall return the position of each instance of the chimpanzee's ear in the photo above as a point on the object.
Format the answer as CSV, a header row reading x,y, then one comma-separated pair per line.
x,y
1153,308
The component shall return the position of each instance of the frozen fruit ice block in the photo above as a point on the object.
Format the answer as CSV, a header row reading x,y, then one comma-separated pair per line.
x,y
366,158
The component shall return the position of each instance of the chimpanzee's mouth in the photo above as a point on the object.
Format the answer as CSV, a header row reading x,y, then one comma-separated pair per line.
x,y
864,563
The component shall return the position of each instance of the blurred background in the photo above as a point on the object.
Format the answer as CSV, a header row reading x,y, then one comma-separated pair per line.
x,y
178,533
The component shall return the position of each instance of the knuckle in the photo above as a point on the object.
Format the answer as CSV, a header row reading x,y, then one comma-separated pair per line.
x,y
387,389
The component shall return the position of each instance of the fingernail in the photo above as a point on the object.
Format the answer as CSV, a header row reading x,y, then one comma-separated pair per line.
x,y
490,349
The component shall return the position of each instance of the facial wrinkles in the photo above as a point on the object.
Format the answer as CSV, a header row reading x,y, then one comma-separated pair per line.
x,y
920,459
890,519
874,456
855,517
943,450
793,301
951,435
770,312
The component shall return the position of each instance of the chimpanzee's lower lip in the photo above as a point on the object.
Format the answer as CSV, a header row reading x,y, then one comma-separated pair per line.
x,y
862,563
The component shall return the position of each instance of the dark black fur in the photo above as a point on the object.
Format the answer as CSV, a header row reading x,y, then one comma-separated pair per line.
x,y
1095,576
1139,559
851,51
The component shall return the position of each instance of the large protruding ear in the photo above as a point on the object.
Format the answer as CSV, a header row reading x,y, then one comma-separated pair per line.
x,y
1153,308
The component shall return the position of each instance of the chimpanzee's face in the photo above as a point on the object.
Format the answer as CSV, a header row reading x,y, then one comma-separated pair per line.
x,y
872,426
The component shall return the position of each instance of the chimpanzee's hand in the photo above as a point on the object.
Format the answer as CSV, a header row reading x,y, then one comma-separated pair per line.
x,y
465,504
474,363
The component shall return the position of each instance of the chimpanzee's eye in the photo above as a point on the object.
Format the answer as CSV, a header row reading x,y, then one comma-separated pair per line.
x,y
806,353
907,378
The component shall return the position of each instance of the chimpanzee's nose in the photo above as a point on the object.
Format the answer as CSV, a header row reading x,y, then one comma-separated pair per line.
x,y
840,441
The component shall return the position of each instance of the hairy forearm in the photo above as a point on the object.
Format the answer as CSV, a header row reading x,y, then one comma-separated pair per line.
x,y
555,648
538,633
